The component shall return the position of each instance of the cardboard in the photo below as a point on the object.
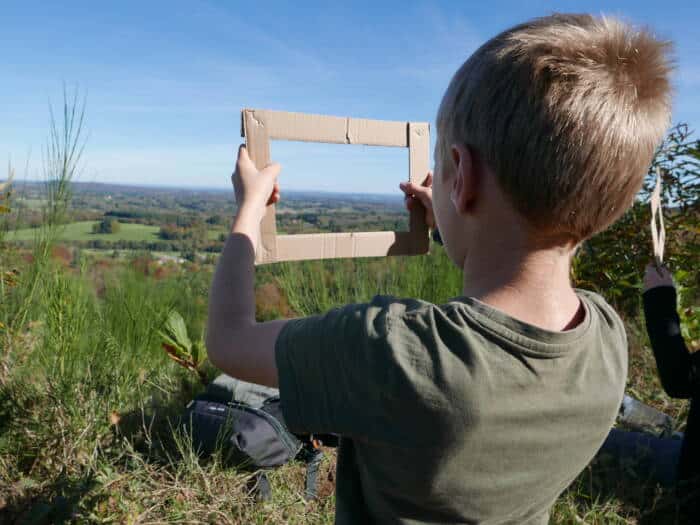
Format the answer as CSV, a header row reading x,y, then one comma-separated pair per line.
x,y
259,126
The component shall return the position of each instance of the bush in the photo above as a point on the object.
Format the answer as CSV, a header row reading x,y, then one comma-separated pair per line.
x,y
612,262
106,226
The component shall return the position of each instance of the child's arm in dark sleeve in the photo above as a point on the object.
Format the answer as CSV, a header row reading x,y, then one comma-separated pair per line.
x,y
678,369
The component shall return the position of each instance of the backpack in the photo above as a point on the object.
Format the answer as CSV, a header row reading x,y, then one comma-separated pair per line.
x,y
245,422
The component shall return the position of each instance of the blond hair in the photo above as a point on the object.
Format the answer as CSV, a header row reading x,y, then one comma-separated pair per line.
x,y
568,110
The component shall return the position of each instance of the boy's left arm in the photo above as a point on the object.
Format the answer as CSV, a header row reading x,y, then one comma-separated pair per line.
x,y
236,343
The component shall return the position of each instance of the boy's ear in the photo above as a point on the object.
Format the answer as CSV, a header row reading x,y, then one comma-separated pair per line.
x,y
466,179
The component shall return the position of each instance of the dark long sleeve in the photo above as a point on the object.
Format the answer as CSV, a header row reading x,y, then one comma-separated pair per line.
x,y
679,370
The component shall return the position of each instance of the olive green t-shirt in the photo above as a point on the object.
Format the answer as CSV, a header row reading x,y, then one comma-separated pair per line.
x,y
453,413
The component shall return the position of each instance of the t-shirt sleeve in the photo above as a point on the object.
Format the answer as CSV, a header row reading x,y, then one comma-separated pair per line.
x,y
331,369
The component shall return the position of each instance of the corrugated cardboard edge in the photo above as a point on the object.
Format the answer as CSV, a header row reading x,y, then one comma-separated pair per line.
x,y
259,126
418,166
306,127
258,145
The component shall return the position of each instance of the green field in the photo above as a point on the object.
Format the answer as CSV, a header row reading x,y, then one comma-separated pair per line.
x,y
82,231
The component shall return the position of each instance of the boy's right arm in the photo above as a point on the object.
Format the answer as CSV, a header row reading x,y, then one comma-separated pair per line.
x,y
331,369
236,343
679,371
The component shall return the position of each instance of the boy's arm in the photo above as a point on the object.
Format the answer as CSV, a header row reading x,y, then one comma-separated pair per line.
x,y
678,371
236,343
339,372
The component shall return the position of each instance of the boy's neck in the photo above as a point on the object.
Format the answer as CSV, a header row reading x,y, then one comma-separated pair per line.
x,y
531,285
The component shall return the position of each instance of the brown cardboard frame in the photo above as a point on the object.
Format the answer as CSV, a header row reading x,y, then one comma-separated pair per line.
x,y
260,126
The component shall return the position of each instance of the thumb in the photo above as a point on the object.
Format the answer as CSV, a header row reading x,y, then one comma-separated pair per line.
x,y
244,161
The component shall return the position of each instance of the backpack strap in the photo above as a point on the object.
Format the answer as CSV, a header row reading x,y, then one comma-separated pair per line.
x,y
259,487
313,462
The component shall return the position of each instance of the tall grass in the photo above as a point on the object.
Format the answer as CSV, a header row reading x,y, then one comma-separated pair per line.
x,y
84,428
313,287
83,380
60,163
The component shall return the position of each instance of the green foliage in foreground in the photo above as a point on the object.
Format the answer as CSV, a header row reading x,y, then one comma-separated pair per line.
x,y
88,397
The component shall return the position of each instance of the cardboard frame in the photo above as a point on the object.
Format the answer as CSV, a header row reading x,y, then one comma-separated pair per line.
x,y
259,126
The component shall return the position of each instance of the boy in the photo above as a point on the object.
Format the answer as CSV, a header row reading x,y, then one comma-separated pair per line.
x,y
484,409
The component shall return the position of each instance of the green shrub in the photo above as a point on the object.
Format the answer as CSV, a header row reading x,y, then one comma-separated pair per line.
x,y
106,225
613,262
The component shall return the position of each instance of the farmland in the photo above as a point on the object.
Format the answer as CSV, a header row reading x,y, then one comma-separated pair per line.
x,y
82,231
188,221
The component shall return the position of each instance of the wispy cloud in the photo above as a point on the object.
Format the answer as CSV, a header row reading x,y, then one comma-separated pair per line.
x,y
252,36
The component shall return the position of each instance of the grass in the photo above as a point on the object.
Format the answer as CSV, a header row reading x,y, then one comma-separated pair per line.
x,y
215,233
88,401
82,231
32,204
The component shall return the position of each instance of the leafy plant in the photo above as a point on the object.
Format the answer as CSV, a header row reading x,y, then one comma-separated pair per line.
x,y
688,312
612,262
177,344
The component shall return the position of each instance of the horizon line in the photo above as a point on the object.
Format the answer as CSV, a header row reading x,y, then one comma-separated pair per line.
x,y
16,181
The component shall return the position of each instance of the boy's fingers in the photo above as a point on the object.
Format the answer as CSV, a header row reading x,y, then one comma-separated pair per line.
x,y
413,189
274,198
428,182
275,195
423,194
409,202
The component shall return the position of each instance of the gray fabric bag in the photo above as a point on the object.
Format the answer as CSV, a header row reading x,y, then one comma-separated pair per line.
x,y
245,422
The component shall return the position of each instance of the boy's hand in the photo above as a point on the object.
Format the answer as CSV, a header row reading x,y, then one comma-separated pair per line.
x,y
420,196
254,189
655,276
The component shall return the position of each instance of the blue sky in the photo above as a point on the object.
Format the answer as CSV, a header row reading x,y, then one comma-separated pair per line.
x,y
166,81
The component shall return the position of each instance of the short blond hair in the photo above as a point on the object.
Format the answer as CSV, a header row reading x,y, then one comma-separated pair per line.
x,y
568,110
